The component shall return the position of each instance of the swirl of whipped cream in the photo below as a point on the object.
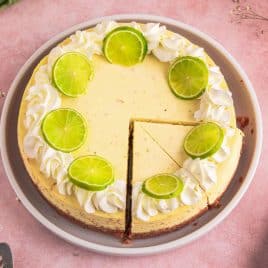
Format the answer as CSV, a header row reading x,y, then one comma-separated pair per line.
x,y
53,55
145,206
41,99
170,47
105,27
204,171
33,143
215,77
211,110
54,164
191,192
222,153
194,51
41,76
153,33
110,200
85,42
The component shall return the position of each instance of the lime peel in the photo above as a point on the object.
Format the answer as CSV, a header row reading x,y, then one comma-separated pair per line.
x,y
91,172
188,77
163,186
203,140
64,129
71,73
125,45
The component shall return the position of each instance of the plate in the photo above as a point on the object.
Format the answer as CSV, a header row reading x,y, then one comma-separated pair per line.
x,y
244,98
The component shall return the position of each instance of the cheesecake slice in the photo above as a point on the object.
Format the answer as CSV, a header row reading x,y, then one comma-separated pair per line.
x,y
152,216
220,167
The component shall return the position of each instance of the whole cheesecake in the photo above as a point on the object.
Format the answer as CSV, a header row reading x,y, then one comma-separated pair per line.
x,y
118,129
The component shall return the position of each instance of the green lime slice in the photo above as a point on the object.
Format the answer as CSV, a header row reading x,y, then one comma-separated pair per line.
x,y
125,46
91,172
71,74
188,77
204,140
64,129
163,186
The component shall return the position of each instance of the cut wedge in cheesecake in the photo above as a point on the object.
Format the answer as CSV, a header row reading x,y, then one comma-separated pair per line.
x,y
153,216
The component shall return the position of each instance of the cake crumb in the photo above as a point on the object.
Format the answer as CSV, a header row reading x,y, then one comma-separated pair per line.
x,y
127,241
241,179
217,204
252,131
195,223
17,199
242,121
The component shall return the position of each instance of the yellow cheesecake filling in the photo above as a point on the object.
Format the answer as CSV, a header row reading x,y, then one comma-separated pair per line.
x,y
150,158
125,100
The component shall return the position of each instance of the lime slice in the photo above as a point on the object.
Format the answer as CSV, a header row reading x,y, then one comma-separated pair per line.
x,y
125,46
163,186
91,172
188,77
64,129
204,140
71,74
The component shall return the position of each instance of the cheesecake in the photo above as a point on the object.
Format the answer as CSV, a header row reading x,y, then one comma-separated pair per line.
x,y
135,120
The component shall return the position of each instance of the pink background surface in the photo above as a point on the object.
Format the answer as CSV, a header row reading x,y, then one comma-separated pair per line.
x,y
242,239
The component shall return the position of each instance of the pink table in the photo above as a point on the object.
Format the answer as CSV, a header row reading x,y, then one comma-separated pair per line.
x,y
242,239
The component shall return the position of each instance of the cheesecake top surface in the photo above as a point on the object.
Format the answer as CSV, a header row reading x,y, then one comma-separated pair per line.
x,y
116,97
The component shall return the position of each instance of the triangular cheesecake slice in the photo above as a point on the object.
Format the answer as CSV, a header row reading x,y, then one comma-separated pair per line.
x,y
152,216
215,173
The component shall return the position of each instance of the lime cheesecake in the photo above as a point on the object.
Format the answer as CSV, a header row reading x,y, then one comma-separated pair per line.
x,y
129,129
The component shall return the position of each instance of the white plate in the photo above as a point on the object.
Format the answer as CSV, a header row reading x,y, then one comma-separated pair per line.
x,y
246,104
